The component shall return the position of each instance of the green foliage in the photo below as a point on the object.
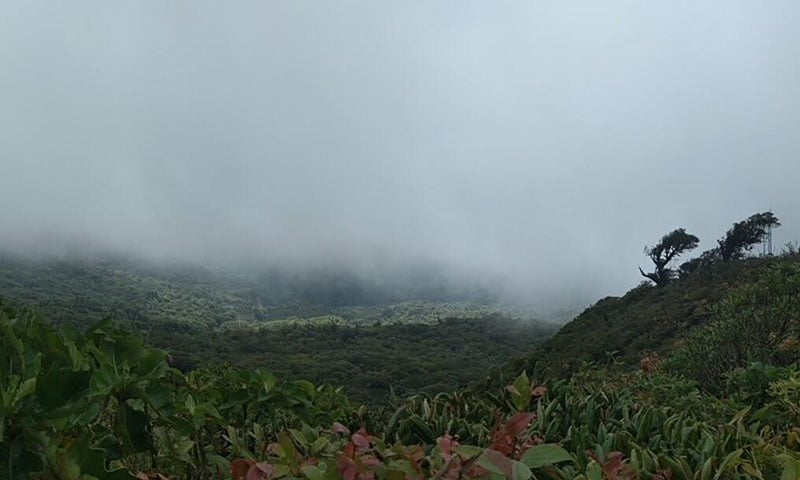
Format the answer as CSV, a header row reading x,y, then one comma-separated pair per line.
x,y
704,261
725,404
73,404
102,405
757,323
371,360
202,320
646,319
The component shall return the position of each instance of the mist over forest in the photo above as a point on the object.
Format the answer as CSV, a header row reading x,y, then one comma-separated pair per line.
x,y
527,153
390,240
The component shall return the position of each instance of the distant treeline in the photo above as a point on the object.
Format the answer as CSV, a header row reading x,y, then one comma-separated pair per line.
x,y
340,287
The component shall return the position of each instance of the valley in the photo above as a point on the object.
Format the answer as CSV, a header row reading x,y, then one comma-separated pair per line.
x,y
703,383
204,319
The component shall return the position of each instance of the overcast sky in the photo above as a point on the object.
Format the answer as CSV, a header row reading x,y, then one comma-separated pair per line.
x,y
542,142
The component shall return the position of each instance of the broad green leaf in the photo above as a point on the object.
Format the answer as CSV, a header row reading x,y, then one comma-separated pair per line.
x,y
10,338
25,389
522,395
92,461
499,464
134,428
152,364
545,455
104,379
392,474
731,460
60,386
594,471
791,467
312,472
157,395
707,470
468,451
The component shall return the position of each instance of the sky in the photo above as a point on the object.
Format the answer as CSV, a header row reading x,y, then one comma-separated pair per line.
x,y
538,144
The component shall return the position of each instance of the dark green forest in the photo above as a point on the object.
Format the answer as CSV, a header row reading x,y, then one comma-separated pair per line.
x,y
203,319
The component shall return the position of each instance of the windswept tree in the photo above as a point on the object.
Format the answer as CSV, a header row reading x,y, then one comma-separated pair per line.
x,y
671,246
743,235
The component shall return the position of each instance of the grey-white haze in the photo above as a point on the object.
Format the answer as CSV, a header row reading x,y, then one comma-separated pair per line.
x,y
538,144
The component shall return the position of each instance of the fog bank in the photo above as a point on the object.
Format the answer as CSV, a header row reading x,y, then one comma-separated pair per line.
x,y
533,146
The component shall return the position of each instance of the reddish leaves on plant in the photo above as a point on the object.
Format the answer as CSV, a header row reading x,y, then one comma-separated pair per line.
x,y
416,455
357,461
339,428
503,444
506,437
539,391
615,468
359,440
501,461
240,467
348,468
447,444
519,423
261,471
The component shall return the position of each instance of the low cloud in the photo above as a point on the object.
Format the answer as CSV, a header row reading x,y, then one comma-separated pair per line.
x,y
536,145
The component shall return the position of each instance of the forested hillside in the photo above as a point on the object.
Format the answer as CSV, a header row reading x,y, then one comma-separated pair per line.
x,y
724,403
81,291
201,319
647,319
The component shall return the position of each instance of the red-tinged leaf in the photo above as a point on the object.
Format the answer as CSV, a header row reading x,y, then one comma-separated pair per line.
x,y
497,462
519,423
476,471
503,443
370,461
254,473
615,467
348,468
261,471
539,391
239,468
371,438
339,428
447,444
360,440
415,455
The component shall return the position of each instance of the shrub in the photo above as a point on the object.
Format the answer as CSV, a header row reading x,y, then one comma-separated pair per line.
x,y
757,323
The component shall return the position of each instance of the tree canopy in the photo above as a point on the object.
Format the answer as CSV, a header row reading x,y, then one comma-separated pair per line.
x,y
671,246
742,236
